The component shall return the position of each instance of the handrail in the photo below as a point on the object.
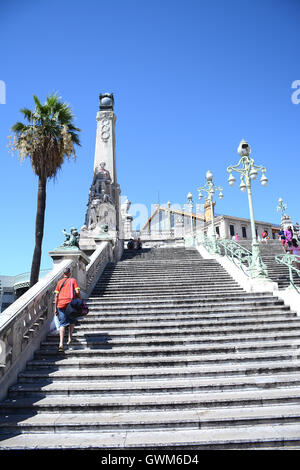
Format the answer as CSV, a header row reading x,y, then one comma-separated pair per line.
x,y
208,243
239,255
288,259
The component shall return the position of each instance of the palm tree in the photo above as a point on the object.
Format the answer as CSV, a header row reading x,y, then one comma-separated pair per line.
x,y
47,138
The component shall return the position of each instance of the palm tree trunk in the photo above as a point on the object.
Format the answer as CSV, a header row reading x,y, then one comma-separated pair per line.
x,y
39,231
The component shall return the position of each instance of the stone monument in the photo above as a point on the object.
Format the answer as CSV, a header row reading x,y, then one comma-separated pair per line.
x,y
103,218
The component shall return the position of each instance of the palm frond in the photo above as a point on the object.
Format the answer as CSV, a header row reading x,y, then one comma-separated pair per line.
x,y
28,114
19,127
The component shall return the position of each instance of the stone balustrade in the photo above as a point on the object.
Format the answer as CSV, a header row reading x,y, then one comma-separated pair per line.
x,y
25,323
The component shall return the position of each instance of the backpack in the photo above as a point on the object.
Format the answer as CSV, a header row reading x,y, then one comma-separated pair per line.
x,y
77,307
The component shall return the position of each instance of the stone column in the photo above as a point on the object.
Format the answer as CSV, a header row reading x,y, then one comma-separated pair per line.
x,y
105,149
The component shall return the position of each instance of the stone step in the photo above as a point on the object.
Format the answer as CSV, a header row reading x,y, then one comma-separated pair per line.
x,y
41,389
139,322
153,288
120,340
252,437
135,315
113,292
256,369
187,321
165,285
203,335
162,279
175,268
191,419
179,299
153,324
173,348
158,401
170,294
155,307
239,296
68,359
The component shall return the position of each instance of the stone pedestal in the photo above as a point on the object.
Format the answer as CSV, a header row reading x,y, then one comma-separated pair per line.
x,y
207,210
286,221
81,260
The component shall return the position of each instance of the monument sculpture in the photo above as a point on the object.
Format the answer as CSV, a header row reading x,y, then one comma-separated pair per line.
x,y
72,238
103,218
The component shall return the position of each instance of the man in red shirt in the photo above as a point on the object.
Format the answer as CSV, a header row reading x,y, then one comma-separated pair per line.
x,y
67,289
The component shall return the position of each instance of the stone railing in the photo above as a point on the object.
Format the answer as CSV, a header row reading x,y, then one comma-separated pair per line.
x,y
25,323
291,262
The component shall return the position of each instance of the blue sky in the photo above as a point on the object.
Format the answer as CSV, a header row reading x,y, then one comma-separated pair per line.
x,y
190,78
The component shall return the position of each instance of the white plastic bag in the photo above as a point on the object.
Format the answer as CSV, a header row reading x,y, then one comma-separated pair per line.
x,y
54,327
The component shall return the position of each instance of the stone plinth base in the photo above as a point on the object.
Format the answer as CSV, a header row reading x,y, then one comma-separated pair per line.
x,y
81,260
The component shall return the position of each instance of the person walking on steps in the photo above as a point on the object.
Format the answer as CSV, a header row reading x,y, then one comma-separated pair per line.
x,y
289,235
295,250
264,236
282,238
66,290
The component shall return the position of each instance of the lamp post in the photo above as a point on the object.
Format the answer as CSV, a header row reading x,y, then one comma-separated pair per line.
x,y
169,218
210,189
281,207
249,171
190,199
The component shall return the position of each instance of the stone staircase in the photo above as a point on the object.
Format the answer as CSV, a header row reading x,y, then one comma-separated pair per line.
x,y
173,355
277,272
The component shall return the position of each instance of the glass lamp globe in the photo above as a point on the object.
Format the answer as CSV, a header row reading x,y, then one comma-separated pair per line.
x,y
221,196
264,180
242,186
231,180
253,174
209,176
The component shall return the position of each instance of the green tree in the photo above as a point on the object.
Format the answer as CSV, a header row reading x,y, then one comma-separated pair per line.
x,y
47,138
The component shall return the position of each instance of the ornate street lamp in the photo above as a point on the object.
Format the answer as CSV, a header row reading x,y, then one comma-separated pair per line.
x,y
190,199
249,171
210,189
281,207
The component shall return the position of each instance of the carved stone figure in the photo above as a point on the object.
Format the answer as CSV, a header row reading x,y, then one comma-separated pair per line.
x,y
72,238
101,181
92,218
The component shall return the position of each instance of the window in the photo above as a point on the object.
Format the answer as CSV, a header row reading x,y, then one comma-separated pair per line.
x,y
218,230
231,228
172,218
244,232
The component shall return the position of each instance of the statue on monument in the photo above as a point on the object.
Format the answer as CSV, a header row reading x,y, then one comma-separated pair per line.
x,y
102,212
101,186
72,238
100,200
